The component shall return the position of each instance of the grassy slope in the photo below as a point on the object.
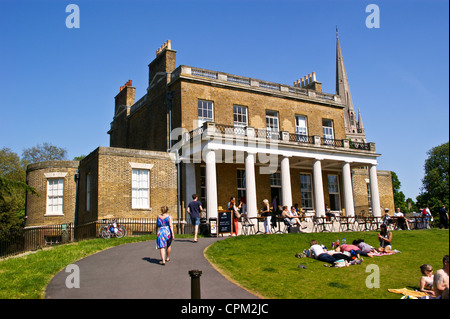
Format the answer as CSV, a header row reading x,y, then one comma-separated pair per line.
x,y
266,264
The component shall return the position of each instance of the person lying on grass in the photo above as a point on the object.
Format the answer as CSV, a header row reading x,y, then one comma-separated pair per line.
x,y
354,248
319,252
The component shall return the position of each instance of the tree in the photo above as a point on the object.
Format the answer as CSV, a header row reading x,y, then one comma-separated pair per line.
x,y
11,166
435,184
44,152
399,197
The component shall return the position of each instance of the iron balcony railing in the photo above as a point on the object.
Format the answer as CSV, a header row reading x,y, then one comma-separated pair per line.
x,y
242,132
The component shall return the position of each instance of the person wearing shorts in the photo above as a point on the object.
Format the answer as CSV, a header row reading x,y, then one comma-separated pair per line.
x,y
194,208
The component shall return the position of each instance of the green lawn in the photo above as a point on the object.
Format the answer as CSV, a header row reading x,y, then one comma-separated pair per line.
x,y
263,264
26,277
266,264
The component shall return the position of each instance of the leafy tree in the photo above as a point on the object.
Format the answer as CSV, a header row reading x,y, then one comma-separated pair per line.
x,y
435,184
44,152
399,197
12,205
11,166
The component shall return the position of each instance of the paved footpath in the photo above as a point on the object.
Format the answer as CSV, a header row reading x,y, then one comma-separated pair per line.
x,y
133,271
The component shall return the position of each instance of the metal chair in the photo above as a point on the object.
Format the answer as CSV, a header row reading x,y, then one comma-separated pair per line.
x,y
345,223
248,228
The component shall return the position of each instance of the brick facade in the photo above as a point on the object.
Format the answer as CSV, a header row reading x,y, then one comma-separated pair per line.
x,y
36,206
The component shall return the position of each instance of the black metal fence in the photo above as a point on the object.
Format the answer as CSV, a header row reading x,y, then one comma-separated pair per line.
x,y
33,238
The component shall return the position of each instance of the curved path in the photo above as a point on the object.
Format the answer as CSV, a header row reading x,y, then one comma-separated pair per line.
x,y
134,271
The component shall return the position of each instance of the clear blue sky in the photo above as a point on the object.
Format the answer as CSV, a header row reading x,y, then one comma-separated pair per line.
x,y
57,84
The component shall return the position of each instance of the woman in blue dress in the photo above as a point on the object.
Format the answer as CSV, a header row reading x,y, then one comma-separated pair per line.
x,y
165,235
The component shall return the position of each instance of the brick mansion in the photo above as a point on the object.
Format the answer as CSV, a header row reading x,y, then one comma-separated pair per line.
x,y
218,135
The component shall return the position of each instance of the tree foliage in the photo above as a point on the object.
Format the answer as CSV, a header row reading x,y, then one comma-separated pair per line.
x,y
44,152
435,184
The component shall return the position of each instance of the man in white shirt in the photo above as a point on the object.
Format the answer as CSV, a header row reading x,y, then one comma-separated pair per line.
x,y
401,217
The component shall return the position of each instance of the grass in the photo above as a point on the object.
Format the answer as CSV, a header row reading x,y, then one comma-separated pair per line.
x,y
266,264
26,277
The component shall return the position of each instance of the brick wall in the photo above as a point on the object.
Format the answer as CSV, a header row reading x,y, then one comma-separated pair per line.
x,y
114,183
257,104
36,206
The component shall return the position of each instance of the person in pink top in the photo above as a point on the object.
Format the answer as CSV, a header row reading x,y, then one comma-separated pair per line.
x,y
350,247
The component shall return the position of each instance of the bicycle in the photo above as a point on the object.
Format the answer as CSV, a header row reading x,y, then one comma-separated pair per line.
x,y
112,229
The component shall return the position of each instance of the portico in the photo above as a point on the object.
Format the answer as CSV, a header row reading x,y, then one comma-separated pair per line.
x,y
215,146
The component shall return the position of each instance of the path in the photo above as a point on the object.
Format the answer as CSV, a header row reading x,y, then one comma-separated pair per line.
x,y
134,271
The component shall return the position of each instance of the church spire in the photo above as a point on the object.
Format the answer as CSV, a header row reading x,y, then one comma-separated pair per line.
x,y
342,87
343,90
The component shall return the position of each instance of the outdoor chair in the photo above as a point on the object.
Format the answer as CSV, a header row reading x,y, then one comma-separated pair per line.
x,y
248,228
321,223
347,223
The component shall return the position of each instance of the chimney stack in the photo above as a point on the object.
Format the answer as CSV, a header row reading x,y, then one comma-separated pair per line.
x,y
163,63
125,97
309,82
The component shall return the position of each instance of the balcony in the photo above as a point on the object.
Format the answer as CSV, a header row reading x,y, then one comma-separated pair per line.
x,y
211,129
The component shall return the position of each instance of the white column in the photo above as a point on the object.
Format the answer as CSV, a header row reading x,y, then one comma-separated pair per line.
x,y
348,190
286,191
190,183
250,184
318,189
211,184
376,211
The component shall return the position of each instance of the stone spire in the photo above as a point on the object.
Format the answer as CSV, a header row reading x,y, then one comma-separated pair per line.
x,y
342,87
343,90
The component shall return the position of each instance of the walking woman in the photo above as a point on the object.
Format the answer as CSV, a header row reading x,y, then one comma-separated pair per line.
x,y
165,235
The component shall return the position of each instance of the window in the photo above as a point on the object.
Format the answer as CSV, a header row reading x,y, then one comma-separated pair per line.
x,y
205,112
272,127
272,121
369,195
300,125
240,116
327,128
141,189
333,191
241,186
306,191
88,192
203,186
55,194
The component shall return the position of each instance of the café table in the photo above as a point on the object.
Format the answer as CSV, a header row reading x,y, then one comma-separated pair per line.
x,y
258,219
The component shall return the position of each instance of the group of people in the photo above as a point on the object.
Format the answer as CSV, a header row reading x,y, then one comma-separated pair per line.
x,y
402,222
349,254
435,285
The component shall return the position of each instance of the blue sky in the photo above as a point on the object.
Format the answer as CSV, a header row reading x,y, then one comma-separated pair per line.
x,y
57,84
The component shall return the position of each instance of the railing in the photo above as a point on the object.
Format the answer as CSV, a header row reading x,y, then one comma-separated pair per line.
x,y
360,146
264,133
182,69
299,138
331,142
33,238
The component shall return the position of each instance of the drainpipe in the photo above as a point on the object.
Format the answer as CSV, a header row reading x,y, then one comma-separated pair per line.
x,y
75,218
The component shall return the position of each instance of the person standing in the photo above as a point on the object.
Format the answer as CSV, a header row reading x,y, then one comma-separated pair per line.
x,y
443,217
194,208
165,235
